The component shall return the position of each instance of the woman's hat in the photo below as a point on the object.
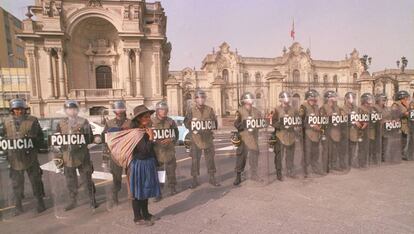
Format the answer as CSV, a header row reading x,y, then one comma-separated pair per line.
x,y
141,109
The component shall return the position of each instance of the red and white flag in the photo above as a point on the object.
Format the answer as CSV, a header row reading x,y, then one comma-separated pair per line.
x,y
292,32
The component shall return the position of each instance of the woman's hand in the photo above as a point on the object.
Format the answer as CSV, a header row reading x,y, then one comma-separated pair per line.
x,y
150,133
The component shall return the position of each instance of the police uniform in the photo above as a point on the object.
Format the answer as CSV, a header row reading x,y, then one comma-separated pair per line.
x,y
249,140
285,139
25,160
77,157
311,138
116,171
332,146
165,153
201,140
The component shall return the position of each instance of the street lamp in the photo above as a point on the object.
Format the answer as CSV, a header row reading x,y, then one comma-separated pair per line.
x,y
366,61
403,61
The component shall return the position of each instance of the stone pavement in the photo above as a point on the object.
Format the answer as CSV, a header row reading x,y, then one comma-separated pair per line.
x,y
375,200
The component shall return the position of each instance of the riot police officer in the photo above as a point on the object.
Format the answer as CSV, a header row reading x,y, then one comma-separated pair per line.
x,y
332,146
201,121
401,108
351,107
21,125
76,156
249,146
121,122
366,130
379,141
165,136
312,132
285,134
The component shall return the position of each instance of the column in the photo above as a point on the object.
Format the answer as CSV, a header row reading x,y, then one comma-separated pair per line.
x,y
50,75
157,69
275,79
138,72
62,89
127,72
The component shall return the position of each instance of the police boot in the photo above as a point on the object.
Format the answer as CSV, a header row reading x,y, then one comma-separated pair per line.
x,y
195,183
40,205
279,175
19,207
93,204
173,191
213,181
237,181
115,198
71,205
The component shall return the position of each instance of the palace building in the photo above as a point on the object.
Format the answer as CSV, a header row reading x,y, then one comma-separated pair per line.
x,y
95,52
225,75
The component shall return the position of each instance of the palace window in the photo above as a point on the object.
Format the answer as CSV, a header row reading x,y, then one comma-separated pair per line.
x,y
325,79
258,77
246,78
296,76
316,79
225,75
355,76
103,77
335,79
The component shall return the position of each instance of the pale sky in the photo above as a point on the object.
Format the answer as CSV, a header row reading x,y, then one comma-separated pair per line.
x,y
383,29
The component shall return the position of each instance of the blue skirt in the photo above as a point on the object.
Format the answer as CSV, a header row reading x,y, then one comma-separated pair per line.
x,y
144,179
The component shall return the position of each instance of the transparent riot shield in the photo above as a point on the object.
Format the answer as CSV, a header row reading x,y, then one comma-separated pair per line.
x,y
410,145
166,136
202,123
7,205
392,144
252,155
313,136
72,185
334,139
287,140
376,135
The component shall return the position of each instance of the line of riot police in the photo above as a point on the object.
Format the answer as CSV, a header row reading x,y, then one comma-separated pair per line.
x,y
319,136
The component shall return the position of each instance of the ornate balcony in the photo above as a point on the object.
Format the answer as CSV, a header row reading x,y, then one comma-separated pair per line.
x,y
96,94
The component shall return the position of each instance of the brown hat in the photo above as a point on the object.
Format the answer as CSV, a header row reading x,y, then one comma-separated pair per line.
x,y
141,109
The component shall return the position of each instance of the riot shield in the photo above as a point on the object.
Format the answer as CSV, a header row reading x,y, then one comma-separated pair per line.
x,y
376,135
166,135
7,205
392,144
314,124
20,145
73,189
252,156
410,145
287,139
201,121
334,140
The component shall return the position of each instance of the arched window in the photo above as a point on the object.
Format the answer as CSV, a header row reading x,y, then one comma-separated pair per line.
x,y
258,77
315,78
296,76
258,95
225,75
325,79
335,79
355,76
246,78
103,77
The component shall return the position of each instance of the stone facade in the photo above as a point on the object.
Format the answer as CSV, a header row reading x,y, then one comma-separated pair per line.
x,y
225,75
95,52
